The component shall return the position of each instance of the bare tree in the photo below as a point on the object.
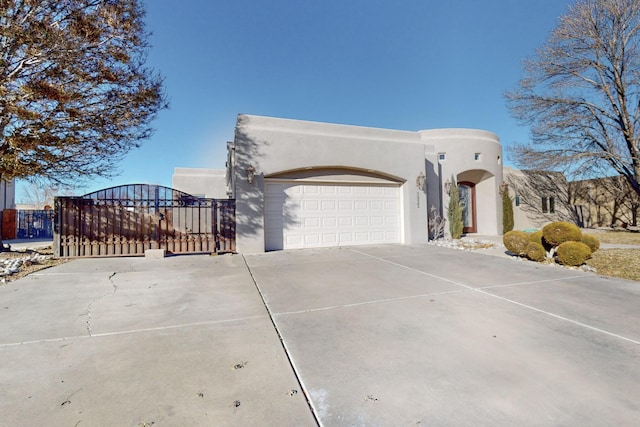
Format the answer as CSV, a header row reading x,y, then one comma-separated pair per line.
x,y
606,201
545,196
75,95
581,94
42,194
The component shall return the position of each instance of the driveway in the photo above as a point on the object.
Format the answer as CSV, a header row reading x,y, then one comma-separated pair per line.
x,y
380,335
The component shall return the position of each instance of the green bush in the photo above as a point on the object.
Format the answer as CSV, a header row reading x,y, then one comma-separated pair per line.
x,y
516,242
507,211
559,232
573,253
454,213
536,237
535,251
591,241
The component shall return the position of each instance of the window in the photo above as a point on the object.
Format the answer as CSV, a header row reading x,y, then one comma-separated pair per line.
x,y
442,156
476,156
548,204
517,199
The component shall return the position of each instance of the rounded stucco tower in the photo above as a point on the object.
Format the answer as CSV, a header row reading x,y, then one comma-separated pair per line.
x,y
473,158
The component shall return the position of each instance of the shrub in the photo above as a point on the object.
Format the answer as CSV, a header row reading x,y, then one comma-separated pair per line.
x,y
516,241
536,237
454,213
507,210
591,241
559,232
573,253
535,251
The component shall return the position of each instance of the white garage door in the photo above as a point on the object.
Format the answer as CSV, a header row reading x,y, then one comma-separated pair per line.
x,y
320,215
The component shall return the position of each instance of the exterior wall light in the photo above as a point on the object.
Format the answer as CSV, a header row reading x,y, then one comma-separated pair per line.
x,y
251,174
421,181
447,186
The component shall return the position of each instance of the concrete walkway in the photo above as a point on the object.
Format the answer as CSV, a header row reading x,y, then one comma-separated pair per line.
x,y
378,335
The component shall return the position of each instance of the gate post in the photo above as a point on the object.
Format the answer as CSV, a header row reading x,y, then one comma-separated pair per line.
x,y
215,228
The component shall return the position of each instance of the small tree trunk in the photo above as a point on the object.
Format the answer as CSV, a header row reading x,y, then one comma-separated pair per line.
x,y
1,214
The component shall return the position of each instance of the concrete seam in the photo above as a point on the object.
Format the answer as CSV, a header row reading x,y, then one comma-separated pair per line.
x,y
296,373
532,282
132,331
529,307
356,304
557,316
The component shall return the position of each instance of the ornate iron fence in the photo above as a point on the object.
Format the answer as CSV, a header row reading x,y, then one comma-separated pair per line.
x,y
127,220
35,224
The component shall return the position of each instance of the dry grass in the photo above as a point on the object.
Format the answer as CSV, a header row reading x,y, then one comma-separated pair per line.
x,y
623,237
622,263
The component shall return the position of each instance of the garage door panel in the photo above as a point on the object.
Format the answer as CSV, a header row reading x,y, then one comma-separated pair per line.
x,y
345,205
361,221
310,189
329,239
345,221
377,220
328,205
319,215
311,222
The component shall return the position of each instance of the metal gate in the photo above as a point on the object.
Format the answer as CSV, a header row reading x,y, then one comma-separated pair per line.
x,y
129,219
35,224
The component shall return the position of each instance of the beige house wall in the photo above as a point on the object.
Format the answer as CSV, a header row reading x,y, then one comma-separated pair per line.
x,y
208,183
527,190
275,148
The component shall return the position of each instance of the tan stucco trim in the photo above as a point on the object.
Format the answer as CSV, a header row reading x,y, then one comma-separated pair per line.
x,y
337,174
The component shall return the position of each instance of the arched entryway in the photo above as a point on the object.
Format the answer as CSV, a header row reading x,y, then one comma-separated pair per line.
x,y
467,192
484,204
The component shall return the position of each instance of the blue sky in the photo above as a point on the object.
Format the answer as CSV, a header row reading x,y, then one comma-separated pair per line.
x,y
399,64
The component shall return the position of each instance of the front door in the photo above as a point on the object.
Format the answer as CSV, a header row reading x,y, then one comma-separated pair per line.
x,y
467,191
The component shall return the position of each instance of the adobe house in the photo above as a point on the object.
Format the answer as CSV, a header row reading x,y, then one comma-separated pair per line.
x,y
539,197
302,184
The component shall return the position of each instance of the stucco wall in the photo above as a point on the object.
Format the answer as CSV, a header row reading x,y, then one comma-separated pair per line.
x,y
209,183
530,188
273,146
460,148
276,147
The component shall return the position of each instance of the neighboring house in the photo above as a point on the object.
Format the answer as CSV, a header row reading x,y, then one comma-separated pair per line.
x,y
7,195
207,183
606,202
301,184
7,209
539,197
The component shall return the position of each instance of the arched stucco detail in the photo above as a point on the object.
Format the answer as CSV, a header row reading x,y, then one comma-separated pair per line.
x,y
486,195
337,174
476,176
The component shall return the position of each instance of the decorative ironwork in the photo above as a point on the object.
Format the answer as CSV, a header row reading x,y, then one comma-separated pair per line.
x,y
35,224
129,219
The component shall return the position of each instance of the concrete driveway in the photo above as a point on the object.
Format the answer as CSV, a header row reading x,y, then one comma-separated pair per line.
x,y
382,335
